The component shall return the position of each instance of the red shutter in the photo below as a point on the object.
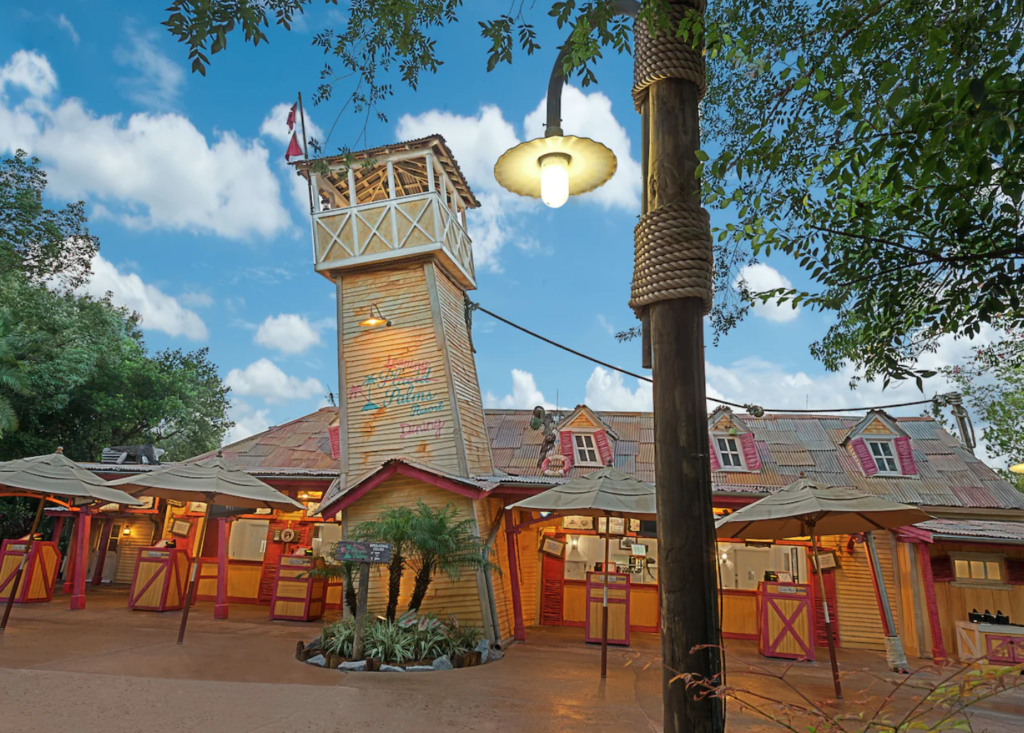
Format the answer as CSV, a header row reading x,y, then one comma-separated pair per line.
x,y
750,456
565,438
1014,571
906,455
603,448
867,463
715,465
334,434
942,570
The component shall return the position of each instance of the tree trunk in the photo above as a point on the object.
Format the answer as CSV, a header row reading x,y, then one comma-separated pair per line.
x,y
395,570
419,590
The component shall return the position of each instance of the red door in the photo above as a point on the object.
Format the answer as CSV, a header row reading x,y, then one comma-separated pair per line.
x,y
819,612
552,586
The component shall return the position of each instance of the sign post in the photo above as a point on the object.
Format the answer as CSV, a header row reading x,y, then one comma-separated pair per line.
x,y
364,553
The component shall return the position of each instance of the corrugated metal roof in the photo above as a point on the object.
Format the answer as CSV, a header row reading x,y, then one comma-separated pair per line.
x,y
1006,531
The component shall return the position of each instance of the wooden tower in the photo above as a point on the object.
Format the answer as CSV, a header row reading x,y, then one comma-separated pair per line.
x,y
389,229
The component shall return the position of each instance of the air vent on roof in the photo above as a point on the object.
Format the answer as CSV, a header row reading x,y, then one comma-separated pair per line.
x,y
132,454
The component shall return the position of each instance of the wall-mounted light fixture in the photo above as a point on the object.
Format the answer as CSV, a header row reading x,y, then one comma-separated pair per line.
x,y
375,320
127,531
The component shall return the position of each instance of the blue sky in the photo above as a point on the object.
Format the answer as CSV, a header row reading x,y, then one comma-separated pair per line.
x,y
205,233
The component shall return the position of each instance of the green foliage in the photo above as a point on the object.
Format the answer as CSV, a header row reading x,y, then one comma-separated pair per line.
x,y
337,637
12,374
463,639
37,242
393,525
410,638
388,642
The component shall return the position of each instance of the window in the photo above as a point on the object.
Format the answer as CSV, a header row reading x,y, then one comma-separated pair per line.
x,y
885,460
729,452
978,569
586,452
248,539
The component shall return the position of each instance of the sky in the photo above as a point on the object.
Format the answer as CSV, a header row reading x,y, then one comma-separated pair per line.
x,y
205,230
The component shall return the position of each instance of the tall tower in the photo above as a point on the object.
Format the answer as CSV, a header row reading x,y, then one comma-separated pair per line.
x,y
389,229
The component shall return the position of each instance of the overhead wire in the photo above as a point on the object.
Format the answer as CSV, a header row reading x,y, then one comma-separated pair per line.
x,y
751,408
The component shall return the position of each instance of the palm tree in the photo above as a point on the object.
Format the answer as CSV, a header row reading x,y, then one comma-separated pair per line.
x,y
12,375
393,525
441,542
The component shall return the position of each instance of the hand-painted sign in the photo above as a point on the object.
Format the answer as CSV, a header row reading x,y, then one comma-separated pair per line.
x,y
370,552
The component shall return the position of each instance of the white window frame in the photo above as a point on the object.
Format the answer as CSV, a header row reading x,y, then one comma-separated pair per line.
x,y
736,450
892,457
577,448
984,560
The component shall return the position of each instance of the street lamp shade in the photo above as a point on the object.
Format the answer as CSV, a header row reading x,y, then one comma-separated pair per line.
x,y
554,168
1019,468
376,318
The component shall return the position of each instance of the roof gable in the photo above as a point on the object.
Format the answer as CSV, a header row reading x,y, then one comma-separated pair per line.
x,y
583,418
723,419
876,423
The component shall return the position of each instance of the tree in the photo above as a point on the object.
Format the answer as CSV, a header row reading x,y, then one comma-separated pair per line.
x,y
442,543
875,142
393,525
992,385
40,243
12,376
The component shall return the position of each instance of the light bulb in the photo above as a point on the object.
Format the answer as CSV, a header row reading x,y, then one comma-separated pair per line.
x,y
554,179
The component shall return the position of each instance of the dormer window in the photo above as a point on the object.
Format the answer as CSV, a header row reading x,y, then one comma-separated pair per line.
x,y
586,450
729,453
884,457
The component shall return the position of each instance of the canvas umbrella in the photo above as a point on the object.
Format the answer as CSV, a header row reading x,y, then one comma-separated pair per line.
x,y
52,475
605,493
806,508
211,481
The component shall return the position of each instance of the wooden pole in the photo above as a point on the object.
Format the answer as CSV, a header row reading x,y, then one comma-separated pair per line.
x,y
21,566
305,154
101,556
81,560
604,605
519,627
361,600
828,621
195,568
58,529
686,531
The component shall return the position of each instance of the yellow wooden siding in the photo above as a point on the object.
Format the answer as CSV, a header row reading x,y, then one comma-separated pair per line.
x,y
581,421
464,376
128,547
444,597
376,435
913,644
529,573
860,623
486,511
876,427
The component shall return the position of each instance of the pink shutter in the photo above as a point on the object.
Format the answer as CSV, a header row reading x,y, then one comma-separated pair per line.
x,y
942,570
906,455
565,438
867,463
750,456
715,465
603,447
334,434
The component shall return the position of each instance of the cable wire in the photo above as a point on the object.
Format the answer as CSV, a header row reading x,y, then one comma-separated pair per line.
x,y
755,410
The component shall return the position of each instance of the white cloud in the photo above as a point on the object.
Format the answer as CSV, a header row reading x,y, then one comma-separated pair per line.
x,y
759,278
64,24
31,72
151,171
590,115
159,311
196,299
603,323
158,80
265,379
287,333
525,394
606,390
248,421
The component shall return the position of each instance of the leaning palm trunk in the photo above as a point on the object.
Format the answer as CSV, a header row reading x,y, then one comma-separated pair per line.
x,y
350,587
424,575
395,570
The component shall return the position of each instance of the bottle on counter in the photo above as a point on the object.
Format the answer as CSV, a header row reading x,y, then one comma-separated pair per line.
x,y
988,618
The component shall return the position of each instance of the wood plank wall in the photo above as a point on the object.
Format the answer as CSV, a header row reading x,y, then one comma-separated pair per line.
x,y
461,598
128,547
486,510
860,623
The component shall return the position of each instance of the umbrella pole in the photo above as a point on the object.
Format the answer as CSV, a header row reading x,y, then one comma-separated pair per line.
x,y
828,621
21,566
195,571
604,607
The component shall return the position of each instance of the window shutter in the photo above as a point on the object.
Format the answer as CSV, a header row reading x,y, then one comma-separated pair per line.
x,y
867,463
715,465
906,455
565,438
942,570
750,456
603,448
1014,571
334,434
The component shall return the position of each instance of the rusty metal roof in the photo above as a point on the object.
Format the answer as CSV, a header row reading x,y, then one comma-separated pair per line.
x,y
977,530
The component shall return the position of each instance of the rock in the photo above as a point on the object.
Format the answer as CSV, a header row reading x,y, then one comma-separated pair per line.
x,y
390,668
483,647
315,644
419,668
493,655
443,663
319,660
359,666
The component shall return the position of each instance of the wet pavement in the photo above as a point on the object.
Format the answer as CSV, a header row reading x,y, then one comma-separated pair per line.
x,y
110,669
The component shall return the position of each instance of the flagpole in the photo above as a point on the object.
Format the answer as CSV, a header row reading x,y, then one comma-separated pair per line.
x,y
305,153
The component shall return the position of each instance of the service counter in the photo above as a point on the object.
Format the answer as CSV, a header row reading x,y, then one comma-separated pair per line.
x,y
297,597
40,576
785,620
995,644
160,580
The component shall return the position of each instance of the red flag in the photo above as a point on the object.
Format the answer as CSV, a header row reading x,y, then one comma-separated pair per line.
x,y
293,148
291,117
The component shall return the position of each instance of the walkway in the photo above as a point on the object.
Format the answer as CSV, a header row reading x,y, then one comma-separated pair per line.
x,y
108,669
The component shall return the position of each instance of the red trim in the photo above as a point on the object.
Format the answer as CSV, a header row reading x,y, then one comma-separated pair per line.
x,y
81,561
58,528
172,575
311,586
753,460
596,589
35,564
767,604
938,648
864,457
101,553
69,568
734,502
519,630
913,535
391,468
220,608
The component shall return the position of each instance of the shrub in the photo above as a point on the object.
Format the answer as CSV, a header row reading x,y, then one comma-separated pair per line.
x,y
389,642
463,639
337,637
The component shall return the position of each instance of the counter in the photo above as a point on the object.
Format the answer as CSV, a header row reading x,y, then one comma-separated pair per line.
x,y
160,579
992,643
297,597
40,576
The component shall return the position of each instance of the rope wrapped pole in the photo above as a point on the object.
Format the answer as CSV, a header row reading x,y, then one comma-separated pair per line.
x,y
672,291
